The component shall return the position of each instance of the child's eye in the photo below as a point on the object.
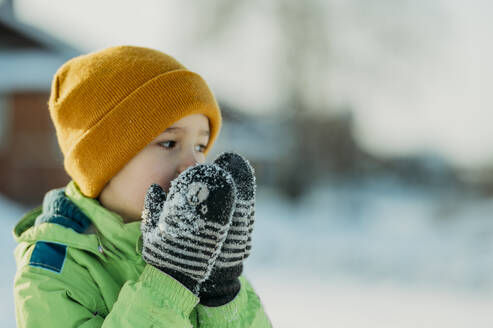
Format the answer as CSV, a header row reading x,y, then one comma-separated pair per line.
x,y
201,148
168,144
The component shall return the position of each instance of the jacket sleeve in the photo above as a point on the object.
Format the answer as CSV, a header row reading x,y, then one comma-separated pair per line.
x,y
245,310
45,298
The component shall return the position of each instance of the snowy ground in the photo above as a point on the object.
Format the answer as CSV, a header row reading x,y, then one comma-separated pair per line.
x,y
377,254
304,301
9,213
371,255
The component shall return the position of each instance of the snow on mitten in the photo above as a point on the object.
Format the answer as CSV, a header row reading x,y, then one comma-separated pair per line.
x,y
183,234
223,284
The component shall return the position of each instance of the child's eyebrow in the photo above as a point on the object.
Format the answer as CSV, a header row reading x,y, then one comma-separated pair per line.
x,y
176,128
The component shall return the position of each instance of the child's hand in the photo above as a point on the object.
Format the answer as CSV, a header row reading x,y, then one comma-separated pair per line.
x,y
223,284
183,234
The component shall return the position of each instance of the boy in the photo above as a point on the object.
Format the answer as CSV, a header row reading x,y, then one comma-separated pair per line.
x,y
134,126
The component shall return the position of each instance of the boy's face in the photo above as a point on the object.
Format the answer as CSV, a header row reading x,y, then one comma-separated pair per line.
x,y
163,159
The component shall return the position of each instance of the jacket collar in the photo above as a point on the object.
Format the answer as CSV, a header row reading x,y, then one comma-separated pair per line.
x,y
108,223
69,208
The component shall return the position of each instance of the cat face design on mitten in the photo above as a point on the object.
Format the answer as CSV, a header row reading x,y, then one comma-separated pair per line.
x,y
183,214
184,232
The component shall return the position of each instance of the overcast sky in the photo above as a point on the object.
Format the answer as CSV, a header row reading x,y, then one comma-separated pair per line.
x,y
428,91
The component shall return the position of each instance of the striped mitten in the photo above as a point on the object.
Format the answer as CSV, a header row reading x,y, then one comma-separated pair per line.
x,y
223,284
183,234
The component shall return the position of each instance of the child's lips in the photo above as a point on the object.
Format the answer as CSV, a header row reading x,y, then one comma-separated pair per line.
x,y
165,186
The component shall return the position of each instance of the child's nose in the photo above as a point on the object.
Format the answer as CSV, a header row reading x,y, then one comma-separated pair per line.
x,y
186,162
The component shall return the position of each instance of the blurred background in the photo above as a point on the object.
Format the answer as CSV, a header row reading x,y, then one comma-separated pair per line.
x,y
368,124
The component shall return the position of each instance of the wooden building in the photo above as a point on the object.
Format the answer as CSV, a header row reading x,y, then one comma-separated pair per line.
x,y
30,161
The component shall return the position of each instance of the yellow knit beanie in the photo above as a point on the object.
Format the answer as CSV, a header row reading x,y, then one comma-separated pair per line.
x,y
108,105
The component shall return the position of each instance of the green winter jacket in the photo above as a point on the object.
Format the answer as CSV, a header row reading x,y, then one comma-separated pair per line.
x,y
79,265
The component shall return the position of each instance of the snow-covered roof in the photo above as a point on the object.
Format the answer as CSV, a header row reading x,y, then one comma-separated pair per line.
x,y
28,56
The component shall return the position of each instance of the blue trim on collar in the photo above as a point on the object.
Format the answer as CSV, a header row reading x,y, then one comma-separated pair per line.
x,y
59,209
